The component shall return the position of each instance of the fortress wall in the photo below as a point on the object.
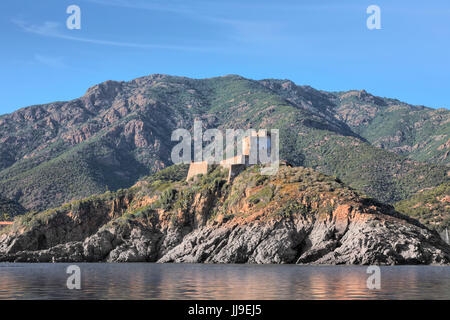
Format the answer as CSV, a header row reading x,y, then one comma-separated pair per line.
x,y
235,169
196,168
4,224
234,160
239,162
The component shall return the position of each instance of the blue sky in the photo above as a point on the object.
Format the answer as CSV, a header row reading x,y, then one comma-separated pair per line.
x,y
325,44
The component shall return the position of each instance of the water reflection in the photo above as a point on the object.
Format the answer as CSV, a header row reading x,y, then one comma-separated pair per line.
x,y
196,281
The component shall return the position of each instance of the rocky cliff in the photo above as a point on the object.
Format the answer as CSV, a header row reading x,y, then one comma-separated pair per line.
x,y
119,132
296,216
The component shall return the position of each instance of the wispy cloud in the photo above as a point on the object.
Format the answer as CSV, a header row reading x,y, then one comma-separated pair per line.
x,y
232,30
53,29
179,8
241,29
53,62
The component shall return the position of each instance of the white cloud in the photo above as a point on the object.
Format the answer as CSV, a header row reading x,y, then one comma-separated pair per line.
x,y
242,30
179,8
53,29
54,62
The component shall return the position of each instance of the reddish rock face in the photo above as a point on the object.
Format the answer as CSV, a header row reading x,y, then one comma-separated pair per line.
x,y
118,132
295,216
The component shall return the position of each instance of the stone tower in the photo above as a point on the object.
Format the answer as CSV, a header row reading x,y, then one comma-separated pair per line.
x,y
254,147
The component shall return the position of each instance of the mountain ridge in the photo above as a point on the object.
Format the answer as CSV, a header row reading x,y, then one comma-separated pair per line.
x,y
119,131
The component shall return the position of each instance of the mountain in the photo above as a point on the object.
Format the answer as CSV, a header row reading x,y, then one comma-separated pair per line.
x,y
9,209
296,216
418,132
430,206
119,132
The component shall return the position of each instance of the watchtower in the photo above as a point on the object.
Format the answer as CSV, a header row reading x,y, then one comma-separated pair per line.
x,y
255,150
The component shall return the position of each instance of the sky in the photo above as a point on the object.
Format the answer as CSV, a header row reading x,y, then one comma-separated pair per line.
x,y
325,44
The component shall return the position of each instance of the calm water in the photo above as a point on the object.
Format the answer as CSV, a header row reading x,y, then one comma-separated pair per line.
x,y
197,281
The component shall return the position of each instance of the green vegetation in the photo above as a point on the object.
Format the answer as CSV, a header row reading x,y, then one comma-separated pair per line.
x,y
430,207
206,199
143,213
56,153
417,132
9,209
291,207
179,195
378,173
171,174
262,196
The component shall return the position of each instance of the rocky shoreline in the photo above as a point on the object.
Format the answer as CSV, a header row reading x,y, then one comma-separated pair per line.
x,y
297,216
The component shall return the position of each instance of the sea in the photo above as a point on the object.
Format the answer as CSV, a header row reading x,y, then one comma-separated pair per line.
x,y
121,281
